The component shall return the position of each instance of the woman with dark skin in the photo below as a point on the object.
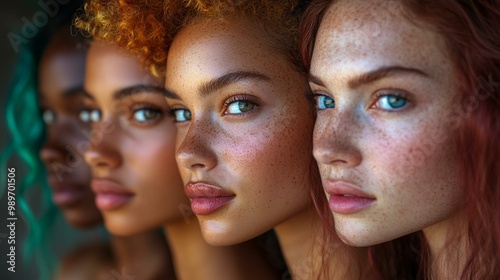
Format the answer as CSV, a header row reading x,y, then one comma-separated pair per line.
x,y
61,75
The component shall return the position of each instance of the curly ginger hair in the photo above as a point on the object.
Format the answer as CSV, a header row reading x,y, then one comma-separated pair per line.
x,y
146,28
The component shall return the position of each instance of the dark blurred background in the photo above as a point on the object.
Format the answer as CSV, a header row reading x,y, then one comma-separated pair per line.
x,y
13,16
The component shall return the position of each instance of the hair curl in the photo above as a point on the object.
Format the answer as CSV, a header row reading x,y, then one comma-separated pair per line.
x,y
146,28
27,135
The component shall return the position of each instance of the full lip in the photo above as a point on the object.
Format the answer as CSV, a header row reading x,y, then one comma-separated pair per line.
x,y
346,198
207,198
110,194
66,193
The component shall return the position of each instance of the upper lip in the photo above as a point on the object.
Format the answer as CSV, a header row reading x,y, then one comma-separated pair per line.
x,y
104,185
342,187
205,190
63,184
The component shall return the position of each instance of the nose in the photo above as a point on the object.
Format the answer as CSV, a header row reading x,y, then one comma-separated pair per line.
x,y
195,151
53,148
335,139
103,152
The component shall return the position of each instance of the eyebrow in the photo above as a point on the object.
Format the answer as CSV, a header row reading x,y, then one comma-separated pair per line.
x,y
130,91
374,75
75,91
137,89
69,93
222,82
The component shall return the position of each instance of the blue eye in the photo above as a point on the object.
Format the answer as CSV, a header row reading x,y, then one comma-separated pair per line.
x,y
146,114
391,102
48,117
84,115
324,102
239,107
182,115
95,115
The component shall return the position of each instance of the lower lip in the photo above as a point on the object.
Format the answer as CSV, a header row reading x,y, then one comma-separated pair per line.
x,y
111,201
349,204
208,205
67,197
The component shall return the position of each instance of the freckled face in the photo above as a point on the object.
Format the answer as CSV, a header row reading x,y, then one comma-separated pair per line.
x,y
385,132
61,99
249,135
135,175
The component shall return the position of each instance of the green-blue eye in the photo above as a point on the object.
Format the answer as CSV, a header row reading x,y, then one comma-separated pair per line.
x,y
146,114
182,115
391,102
324,102
240,107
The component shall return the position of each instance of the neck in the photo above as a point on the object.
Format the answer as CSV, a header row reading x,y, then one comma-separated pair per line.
x,y
143,256
447,259
195,259
301,240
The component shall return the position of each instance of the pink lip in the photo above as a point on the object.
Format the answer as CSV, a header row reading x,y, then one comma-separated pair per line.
x,y
206,199
64,193
109,194
346,199
69,195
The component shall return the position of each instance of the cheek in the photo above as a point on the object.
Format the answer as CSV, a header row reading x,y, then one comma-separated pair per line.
x,y
276,153
416,170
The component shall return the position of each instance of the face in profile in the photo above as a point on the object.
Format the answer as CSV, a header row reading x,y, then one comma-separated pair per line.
x,y
61,99
135,176
384,138
244,129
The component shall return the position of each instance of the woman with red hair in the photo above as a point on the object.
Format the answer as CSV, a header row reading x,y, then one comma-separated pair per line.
x,y
408,105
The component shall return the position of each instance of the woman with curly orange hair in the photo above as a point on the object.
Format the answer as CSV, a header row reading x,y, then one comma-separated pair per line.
x,y
407,129
135,177
237,90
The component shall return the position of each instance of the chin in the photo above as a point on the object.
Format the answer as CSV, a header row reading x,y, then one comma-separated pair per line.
x,y
219,234
120,227
80,220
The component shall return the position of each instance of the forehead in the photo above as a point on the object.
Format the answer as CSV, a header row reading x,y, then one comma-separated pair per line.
x,y
372,32
212,48
110,68
61,69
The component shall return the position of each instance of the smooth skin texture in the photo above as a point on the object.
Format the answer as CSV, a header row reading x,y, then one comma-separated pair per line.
x,y
61,76
390,132
134,141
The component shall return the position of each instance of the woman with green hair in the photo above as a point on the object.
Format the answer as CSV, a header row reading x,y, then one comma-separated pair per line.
x,y
48,126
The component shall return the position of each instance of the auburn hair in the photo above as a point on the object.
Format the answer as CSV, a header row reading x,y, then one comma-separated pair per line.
x,y
471,29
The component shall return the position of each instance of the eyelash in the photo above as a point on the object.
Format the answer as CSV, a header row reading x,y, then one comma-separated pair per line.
x,y
145,106
236,98
388,93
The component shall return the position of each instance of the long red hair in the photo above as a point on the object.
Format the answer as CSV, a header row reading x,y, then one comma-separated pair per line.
x,y
471,29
